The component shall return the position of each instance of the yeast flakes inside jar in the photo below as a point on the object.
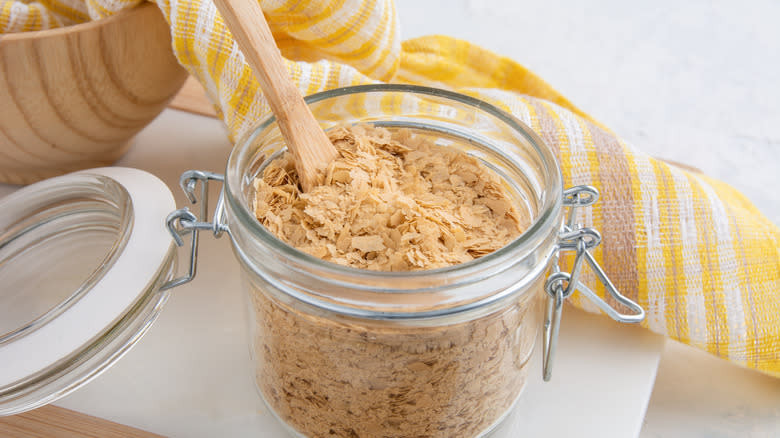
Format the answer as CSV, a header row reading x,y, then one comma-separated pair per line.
x,y
392,201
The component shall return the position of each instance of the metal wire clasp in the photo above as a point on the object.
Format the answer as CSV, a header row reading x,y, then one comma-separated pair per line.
x,y
182,221
560,285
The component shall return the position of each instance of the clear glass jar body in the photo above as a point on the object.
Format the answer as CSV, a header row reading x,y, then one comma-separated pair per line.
x,y
439,353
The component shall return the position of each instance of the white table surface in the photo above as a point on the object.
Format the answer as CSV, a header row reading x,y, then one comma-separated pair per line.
x,y
694,82
190,376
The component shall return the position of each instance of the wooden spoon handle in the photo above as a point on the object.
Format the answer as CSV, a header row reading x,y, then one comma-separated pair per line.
x,y
305,139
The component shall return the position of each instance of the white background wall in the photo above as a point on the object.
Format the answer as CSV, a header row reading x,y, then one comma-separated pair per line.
x,y
692,81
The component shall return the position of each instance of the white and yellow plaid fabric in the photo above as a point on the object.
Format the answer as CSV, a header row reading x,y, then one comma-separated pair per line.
x,y
696,254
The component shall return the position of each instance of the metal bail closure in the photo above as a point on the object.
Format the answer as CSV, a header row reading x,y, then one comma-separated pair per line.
x,y
560,285
182,221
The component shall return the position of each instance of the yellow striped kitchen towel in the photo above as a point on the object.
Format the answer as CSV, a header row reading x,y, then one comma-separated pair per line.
x,y
695,253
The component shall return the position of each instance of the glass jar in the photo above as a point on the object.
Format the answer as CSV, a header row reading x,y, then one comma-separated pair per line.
x,y
345,352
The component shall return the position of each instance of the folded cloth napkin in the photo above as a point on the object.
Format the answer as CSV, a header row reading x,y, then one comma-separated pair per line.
x,y
695,253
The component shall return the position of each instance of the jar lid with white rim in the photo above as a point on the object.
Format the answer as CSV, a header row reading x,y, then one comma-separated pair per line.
x,y
83,258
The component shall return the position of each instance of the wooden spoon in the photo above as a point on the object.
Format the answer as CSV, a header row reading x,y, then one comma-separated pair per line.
x,y
305,139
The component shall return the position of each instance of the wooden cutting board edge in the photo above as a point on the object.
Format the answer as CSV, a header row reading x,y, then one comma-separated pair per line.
x,y
192,98
54,421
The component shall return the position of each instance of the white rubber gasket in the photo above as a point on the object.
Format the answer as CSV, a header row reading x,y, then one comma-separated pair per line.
x,y
134,270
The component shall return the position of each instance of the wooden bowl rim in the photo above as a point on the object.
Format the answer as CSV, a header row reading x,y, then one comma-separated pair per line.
x,y
88,26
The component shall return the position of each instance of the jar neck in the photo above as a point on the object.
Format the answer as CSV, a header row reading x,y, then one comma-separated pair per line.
x,y
503,143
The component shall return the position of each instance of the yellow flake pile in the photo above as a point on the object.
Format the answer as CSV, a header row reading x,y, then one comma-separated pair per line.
x,y
392,201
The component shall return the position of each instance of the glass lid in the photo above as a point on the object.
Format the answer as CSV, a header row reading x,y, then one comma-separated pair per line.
x,y
82,258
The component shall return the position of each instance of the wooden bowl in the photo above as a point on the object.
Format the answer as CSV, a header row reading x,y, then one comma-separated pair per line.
x,y
72,98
